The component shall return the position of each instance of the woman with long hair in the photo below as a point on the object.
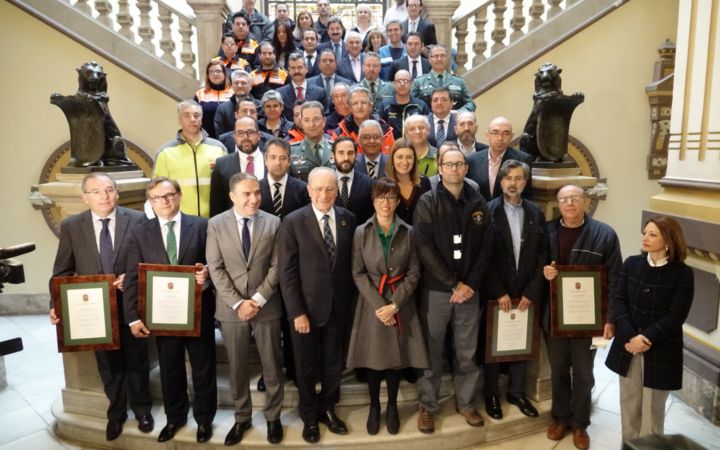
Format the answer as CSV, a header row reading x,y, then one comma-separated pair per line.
x,y
216,90
374,39
303,21
363,20
284,44
402,167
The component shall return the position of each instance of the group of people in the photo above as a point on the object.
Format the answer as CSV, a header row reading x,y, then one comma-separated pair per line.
x,y
370,244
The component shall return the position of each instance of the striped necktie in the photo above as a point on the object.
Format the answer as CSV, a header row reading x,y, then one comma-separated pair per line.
x,y
277,200
328,239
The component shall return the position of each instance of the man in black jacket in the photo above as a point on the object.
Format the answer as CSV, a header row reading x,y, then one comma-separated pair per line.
x,y
451,222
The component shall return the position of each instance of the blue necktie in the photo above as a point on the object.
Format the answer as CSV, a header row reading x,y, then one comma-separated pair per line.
x,y
329,241
440,136
106,247
246,238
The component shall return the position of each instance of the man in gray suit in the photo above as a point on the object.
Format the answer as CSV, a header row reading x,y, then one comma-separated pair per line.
x,y
242,259
95,242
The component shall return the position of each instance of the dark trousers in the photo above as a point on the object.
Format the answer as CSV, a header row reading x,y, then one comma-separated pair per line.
x,y
319,356
173,377
571,391
125,376
516,372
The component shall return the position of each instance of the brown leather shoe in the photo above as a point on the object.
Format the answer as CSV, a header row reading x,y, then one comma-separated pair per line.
x,y
473,417
581,439
425,421
557,430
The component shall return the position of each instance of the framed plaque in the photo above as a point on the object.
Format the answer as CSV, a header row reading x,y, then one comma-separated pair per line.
x,y
578,301
511,336
87,308
169,299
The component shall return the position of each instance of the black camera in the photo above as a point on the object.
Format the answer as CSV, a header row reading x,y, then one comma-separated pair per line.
x,y
11,271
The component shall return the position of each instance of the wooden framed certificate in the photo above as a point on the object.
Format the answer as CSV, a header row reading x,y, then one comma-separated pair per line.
x,y
87,308
578,301
511,336
169,299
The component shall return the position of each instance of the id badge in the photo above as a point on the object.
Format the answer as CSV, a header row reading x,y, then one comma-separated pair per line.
x,y
457,254
457,239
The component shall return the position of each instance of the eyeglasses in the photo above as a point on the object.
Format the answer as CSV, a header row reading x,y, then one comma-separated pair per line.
x,y
166,197
403,81
453,165
215,72
570,199
248,133
386,198
371,137
97,192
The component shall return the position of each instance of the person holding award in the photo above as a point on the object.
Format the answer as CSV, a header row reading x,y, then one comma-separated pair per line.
x,y
96,242
652,300
386,334
175,238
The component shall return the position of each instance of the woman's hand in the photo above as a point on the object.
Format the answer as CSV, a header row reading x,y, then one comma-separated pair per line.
x,y
386,315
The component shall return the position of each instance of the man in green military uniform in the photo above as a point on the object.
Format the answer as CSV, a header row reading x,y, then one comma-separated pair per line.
x,y
315,149
424,86
379,89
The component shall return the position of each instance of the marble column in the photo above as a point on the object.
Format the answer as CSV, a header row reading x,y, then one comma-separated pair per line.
x,y
441,13
209,17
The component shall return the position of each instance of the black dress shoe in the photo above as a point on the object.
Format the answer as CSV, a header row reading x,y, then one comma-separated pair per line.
x,y
168,432
113,430
204,433
311,433
392,419
146,423
373,422
333,422
492,407
274,431
236,433
525,406
261,384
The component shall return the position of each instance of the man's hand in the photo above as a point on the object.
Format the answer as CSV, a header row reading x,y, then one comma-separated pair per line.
x,y
386,315
524,303
504,303
248,310
201,273
638,344
609,331
302,324
139,330
462,293
54,319
550,272
118,283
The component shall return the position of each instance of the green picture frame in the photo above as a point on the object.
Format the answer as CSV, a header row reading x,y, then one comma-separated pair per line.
x,y
586,287
177,283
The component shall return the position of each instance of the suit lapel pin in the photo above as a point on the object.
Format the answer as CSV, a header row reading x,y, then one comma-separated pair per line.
x,y
342,222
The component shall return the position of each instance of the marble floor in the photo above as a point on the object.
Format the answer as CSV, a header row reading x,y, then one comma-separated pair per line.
x,y
35,377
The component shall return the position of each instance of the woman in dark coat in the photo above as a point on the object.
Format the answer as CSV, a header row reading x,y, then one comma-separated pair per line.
x,y
652,300
386,334
402,168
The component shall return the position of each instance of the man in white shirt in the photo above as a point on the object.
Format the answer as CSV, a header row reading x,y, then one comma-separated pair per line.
x,y
398,12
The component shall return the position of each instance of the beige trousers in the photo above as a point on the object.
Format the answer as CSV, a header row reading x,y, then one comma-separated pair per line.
x,y
642,409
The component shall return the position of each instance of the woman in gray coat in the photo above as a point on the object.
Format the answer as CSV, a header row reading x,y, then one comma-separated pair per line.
x,y
386,334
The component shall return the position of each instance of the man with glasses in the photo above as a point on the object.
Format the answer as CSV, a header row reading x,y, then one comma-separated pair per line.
x,y
403,105
485,164
225,114
246,158
172,237
424,86
361,110
372,160
314,150
451,222
190,158
576,239
315,244
95,242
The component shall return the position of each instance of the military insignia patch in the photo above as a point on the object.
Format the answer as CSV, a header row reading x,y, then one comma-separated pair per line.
x,y
477,217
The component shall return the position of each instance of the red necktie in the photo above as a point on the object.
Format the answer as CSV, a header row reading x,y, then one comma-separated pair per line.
x,y
300,95
250,167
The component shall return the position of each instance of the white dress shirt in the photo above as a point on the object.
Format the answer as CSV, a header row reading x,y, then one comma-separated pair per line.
x,y
97,226
239,220
258,162
319,215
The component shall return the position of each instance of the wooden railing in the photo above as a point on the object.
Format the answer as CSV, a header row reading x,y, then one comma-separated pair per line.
x,y
524,17
156,17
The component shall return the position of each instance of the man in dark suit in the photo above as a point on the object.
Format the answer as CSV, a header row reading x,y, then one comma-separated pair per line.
x,y
328,76
372,160
248,159
310,53
355,187
465,129
299,87
413,62
517,229
442,119
175,238
244,108
317,287
350,65
335,32
248,301
483,166
415,23
281,194
95,242
226,112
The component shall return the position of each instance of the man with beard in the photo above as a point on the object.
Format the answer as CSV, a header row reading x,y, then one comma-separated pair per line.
x,y
268,76
245,108
314,150
225,114
395,111
247,158
360,110
354,187
465,129
379,89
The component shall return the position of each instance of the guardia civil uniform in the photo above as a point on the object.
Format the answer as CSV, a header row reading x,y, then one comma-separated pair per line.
x,y
423,87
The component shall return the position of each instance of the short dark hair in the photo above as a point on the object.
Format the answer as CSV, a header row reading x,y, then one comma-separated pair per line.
x,y
241,176
278,142
244,98
672,233
417,35
328,50
240,14
384,186
510,164
158,180
344,139
450,150
437,90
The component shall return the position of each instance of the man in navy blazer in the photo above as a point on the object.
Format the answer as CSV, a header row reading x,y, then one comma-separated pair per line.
x,y
315,245
175,238
499,135
328,71
124,372
413,59
441,107
299,85
354,187
335,32
281,194
415,23
353,43
372,160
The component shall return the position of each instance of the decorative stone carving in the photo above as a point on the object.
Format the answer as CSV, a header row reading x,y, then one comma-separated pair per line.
x,y
659,94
